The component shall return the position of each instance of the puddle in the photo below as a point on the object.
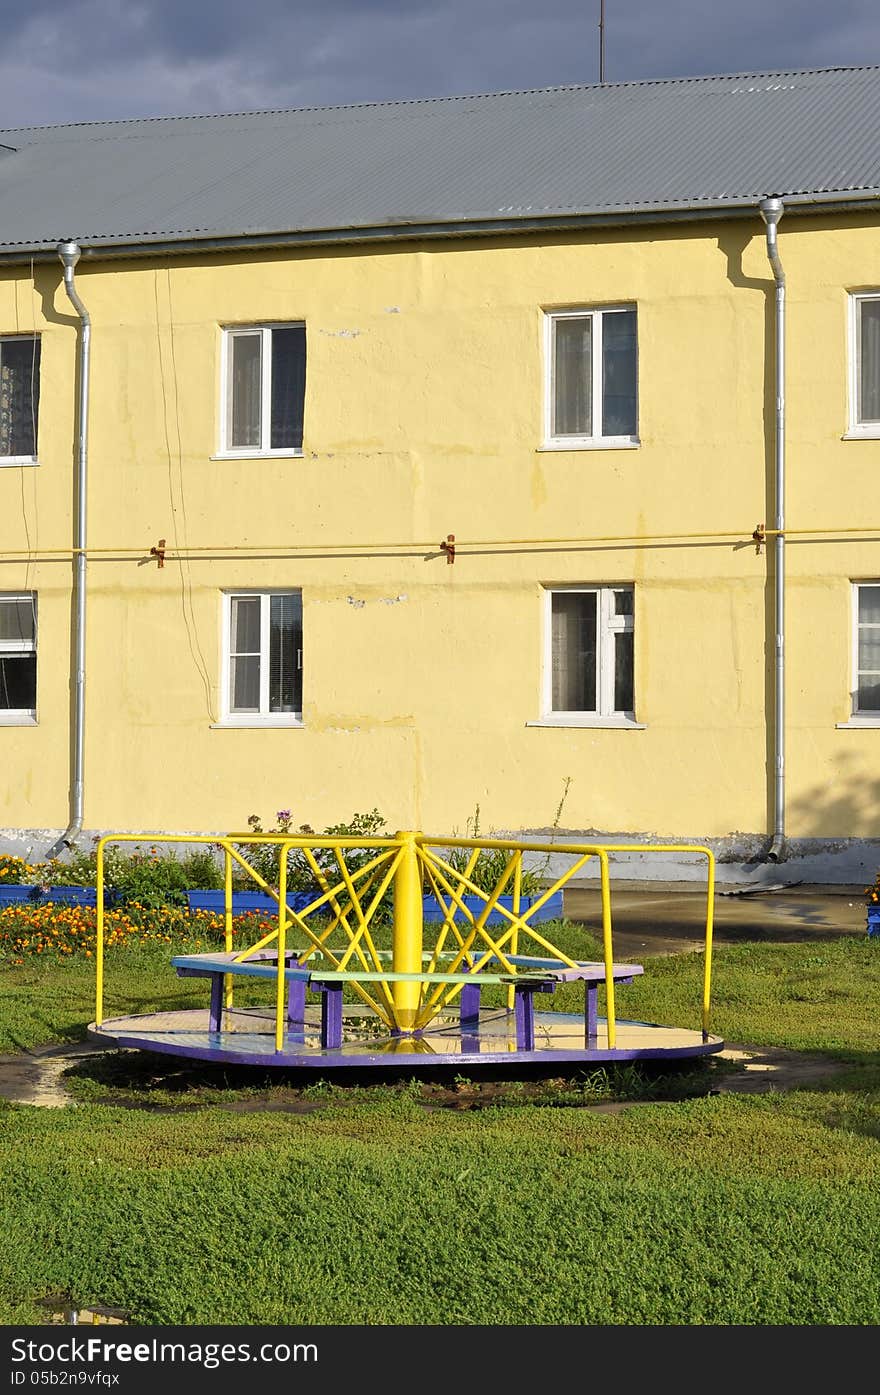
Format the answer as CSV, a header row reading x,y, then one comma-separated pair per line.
x,y
36,1077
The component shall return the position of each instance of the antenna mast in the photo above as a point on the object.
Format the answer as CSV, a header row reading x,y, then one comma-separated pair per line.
x,y
601,41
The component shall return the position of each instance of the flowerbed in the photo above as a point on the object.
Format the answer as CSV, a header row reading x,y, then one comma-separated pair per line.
x,y
48,908
872,903
59,931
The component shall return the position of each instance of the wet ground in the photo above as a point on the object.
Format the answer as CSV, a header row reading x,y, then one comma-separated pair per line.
x,y
161,1085
37,1076
669,920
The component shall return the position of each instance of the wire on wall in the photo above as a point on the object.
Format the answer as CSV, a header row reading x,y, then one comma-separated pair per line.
x,y
180,555
737,538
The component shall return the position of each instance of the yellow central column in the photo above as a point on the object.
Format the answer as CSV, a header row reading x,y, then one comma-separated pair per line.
x,y
407,943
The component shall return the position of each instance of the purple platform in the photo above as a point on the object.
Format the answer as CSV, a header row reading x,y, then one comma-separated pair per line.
x,y
247,1037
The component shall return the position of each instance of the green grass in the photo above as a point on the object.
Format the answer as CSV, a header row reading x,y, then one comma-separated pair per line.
x,y
723,1210
226,1197
53,1000
820,996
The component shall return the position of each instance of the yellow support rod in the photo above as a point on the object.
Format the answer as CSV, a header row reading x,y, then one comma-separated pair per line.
x,y
608,950
406,957
514,939
707,968
449,923
478,926
227,921
365,916
280,980
99,934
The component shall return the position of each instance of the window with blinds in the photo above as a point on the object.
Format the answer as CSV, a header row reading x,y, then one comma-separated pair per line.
x,y
264,386
19,398
262,657
592,377
866,646
590,659
18,657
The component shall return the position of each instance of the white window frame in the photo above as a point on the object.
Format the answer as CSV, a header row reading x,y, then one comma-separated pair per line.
x,y
263,718
857,718
228,333
596,441
608,624
857,429
22,459
20,716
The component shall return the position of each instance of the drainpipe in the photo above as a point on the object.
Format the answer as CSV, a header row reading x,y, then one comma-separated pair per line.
x,y
69,253
772,210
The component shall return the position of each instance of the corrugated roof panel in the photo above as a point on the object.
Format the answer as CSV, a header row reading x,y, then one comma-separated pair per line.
x,y
573,150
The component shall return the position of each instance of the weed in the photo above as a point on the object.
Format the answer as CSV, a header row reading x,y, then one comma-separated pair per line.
x,y
491,864
301,874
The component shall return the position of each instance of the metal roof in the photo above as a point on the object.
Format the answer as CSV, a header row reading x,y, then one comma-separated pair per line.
x,y
505,160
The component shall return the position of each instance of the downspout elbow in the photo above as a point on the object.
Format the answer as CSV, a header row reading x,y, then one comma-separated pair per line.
x,y
771,211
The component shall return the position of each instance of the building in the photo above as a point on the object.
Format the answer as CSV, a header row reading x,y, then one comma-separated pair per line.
x,y
431,455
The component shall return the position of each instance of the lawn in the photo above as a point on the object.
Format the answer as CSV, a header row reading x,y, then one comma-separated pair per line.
x,y
191,1195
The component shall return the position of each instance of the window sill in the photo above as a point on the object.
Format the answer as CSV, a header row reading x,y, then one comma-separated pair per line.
x,y
599,443
257,455
258,723
18,719
12,460
572,720
862,433
858,723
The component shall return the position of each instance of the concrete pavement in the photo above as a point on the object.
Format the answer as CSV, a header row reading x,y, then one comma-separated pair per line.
x,y
670,918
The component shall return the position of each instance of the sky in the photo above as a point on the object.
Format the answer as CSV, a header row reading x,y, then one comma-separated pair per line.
x,y
93,60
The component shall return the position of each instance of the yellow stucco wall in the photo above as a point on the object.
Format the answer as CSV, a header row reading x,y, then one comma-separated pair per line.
x,y
424,404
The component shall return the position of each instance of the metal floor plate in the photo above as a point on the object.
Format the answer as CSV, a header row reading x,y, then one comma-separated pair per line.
x,y
248,1037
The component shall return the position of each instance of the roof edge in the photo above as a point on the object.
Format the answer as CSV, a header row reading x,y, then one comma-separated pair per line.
x,y
854,201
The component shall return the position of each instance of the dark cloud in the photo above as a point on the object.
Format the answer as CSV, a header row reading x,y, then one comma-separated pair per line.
x,y
88,60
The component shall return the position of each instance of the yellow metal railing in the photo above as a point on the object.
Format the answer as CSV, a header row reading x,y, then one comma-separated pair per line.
x,y
518,921
344,909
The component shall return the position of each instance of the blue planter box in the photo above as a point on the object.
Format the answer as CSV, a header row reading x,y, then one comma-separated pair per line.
x,y
245,902
42,895
551,909
263,904
874,920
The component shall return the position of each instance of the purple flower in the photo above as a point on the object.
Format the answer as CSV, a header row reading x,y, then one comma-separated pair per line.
x,y
283,816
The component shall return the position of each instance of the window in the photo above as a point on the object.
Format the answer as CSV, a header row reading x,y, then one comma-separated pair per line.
x,y
866,647
262,650
592,376
18,657
264,385
19,398
589,665
864,358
